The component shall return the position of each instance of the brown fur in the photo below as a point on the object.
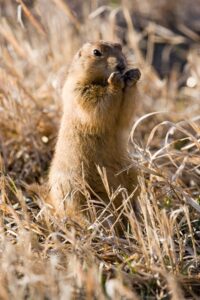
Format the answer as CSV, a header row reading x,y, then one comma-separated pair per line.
x,y
99,104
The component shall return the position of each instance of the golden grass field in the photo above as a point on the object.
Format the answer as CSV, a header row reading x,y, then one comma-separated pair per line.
x,y
42,257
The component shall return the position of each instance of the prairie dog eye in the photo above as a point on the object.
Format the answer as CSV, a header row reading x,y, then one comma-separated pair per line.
x,y
96,52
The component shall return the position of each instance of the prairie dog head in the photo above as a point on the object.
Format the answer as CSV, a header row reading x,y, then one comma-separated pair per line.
x,y
94,62
95,92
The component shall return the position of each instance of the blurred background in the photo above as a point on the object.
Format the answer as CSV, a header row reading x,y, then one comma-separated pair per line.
x,y
165,30
38,39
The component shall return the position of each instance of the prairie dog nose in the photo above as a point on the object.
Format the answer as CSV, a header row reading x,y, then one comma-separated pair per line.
x,y
121,66
117,63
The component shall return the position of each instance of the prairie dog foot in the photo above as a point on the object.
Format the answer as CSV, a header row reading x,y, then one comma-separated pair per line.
x,y
131,77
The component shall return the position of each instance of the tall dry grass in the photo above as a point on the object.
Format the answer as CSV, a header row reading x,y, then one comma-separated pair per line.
x,y
42,257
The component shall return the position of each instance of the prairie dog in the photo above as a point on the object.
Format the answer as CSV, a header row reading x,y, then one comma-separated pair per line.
x,y
98,109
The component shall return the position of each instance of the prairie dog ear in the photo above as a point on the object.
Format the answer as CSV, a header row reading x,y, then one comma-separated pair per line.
x,y
86,47
118,46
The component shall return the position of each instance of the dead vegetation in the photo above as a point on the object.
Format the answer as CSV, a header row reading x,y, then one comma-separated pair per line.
x,y
42,257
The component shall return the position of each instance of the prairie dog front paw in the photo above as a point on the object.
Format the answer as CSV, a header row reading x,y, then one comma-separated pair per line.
x,y
131,77
116,79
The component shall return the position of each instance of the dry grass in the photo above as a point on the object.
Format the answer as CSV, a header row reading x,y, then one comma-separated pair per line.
x,y
42,257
